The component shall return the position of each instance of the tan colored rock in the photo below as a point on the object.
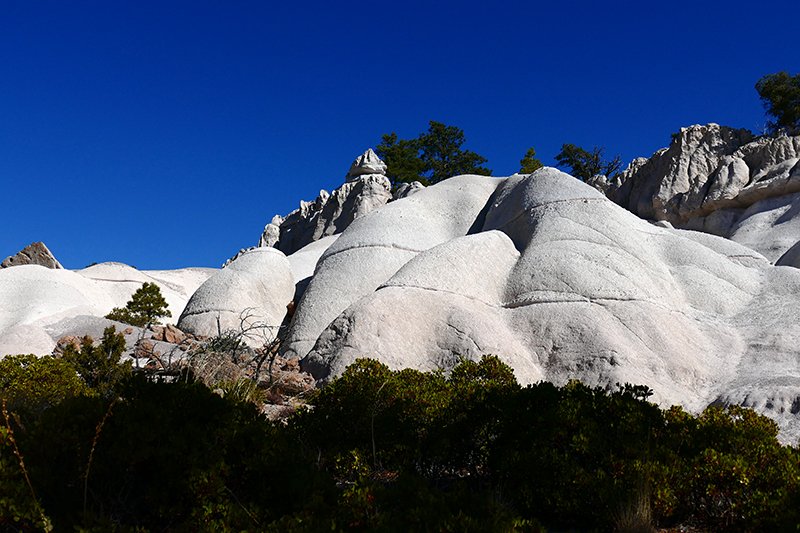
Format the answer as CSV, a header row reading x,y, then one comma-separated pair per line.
x,y
173,335
65,341
33,254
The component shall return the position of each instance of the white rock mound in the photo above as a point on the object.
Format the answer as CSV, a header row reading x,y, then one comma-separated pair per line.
x,y
376,245
560,283
251,293
35,299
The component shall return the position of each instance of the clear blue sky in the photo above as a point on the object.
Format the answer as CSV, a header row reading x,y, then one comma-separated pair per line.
x,y
167,134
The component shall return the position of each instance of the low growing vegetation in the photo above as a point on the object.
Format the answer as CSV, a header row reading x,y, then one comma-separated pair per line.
x,y
381,450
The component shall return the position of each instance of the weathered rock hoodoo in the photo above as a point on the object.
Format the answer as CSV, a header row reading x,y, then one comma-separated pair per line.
x,y
366,188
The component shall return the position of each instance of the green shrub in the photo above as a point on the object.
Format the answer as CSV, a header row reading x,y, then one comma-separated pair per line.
x,y
575,455
99,366
34,383
145,307
732,472
409,450
407,420
19,508
170,456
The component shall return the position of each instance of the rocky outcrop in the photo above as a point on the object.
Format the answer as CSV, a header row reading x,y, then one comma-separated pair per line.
x,y
33,254
366,188
561,284
717,180
705,169
366,164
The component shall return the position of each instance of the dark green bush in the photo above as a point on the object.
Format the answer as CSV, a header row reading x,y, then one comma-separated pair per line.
x,y
167,457
99,366
731,473
372,419
32,383
409,451
574,455
19,508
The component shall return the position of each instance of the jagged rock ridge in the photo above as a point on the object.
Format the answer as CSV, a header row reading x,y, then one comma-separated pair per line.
x,y
719,180
366,188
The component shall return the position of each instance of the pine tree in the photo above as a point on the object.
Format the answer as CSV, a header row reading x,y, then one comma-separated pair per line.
x,y
145,307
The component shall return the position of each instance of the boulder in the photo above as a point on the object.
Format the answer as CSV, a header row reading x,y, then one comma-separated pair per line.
x,y
250,294
33,254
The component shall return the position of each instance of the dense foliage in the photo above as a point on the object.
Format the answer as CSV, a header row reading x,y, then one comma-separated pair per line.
x,y
431,158
386,450
99,366
36,383
780,94
584,164
145,307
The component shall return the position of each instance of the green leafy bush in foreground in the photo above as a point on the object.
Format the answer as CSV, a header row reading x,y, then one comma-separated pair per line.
x,y
99,366
36,383
394,451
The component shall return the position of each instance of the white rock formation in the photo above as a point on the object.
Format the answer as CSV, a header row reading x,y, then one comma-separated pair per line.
x,y
407,189
560,283
717,180
707,168
365,164
376,245
34,300
770,226
250,293
366,188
